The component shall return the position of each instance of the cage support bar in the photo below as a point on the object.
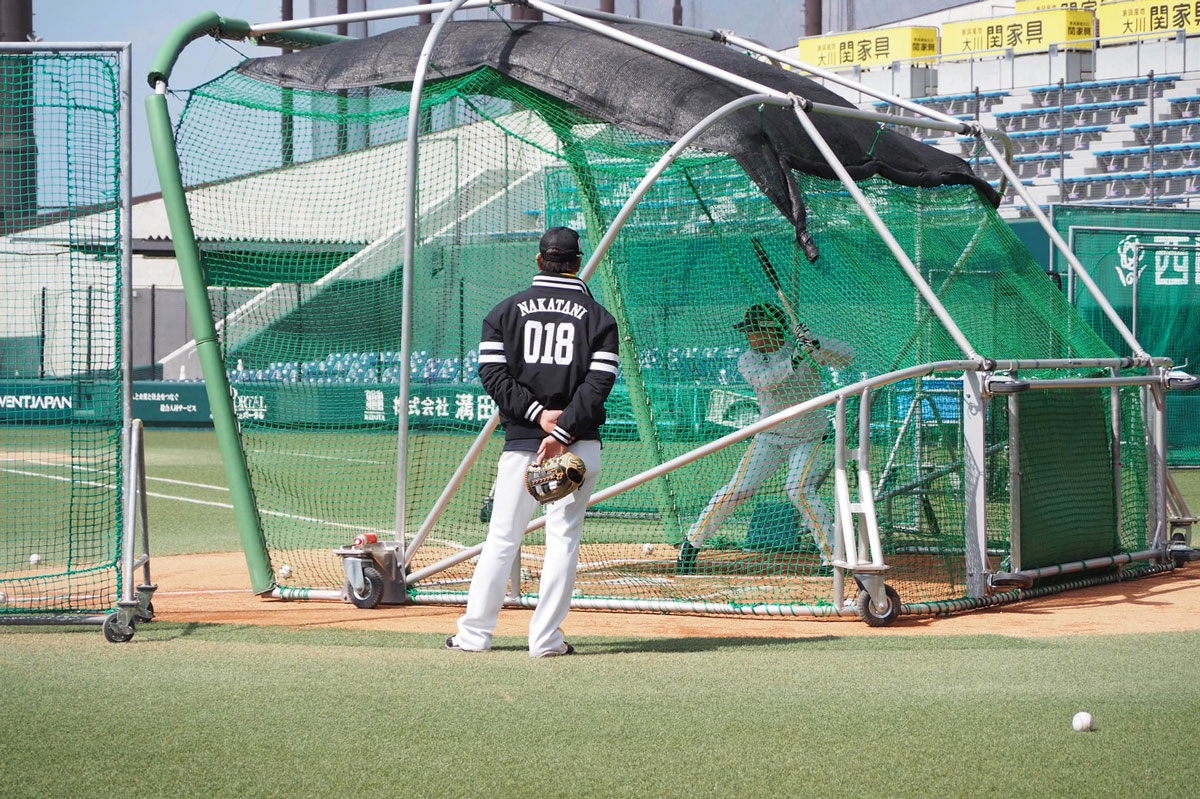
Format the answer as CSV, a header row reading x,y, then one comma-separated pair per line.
x,y
207,24
225,423
974,427
410,238
125,204
1014,480
1095,382
866,497
1161,532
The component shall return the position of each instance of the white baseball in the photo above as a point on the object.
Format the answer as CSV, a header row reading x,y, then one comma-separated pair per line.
x,y
285,571
1082,721
647,549
3,598
35,559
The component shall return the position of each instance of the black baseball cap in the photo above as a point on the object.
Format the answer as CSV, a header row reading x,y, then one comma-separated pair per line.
x,y
764,315
560,244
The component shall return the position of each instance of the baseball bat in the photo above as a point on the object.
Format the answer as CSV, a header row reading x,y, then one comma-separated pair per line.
x,y
764,261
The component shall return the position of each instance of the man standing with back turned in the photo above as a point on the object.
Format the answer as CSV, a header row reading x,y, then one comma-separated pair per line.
x,y
549,359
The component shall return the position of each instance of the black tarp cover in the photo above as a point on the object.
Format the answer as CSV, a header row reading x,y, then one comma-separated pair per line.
x,y
614,82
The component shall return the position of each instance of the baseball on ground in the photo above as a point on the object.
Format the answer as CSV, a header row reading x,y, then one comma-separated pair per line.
x,y
285,571
35,559
647,549
1082,721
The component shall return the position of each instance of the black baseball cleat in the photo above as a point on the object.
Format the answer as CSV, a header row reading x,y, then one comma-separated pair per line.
x,y
686,563
453,646
563,651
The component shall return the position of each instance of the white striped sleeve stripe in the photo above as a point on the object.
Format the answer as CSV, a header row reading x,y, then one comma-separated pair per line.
x,y
492,359
599,366
491,345
535,410
561,435
607,356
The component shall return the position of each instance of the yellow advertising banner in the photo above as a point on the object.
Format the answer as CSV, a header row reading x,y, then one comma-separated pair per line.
x,y
1148,16
1026,6
869,48
1024,33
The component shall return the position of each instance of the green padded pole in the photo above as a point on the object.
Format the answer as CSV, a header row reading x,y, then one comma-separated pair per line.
x,y
300,40
634,380
212,24
207,24
166,159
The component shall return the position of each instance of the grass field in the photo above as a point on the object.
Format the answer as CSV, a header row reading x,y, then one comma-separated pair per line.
x,y
224,711
209,711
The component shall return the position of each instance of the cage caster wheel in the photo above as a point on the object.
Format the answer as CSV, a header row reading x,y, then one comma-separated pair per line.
x,y
868,613
147,614
115,632
1182,556
372,592
1180,552
1003,580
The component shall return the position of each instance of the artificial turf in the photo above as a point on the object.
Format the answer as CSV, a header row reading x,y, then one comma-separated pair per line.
x,y
214,711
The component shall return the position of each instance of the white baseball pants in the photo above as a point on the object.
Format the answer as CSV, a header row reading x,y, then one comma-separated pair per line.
x,y
766,454
511,513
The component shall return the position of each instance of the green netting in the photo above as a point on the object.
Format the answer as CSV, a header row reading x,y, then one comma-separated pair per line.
x,y
1066,514
298,197
1162,309
60,354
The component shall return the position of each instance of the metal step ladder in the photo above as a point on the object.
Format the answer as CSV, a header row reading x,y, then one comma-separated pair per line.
x,y
857,549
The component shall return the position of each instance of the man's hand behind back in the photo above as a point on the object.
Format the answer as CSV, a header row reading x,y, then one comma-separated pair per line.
x,y
551,448
548,420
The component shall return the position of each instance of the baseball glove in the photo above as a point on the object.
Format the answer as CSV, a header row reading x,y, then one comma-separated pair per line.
x,y
555,478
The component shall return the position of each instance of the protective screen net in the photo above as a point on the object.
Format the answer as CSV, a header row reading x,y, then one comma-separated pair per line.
x,y
60,284
297,200
1146,262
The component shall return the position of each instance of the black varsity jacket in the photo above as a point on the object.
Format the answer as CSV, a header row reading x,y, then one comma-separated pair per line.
x,y
552,347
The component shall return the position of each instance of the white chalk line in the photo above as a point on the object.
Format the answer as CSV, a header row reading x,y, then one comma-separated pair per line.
x,y
340,458
227,506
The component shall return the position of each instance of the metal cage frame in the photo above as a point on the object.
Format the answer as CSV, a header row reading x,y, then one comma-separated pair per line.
x,y
858,553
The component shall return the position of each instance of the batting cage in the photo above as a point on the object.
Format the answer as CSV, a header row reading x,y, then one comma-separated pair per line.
x,y
70,453
950,432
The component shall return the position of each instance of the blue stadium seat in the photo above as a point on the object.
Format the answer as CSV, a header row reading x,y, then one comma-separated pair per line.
x,y
1186,107
1104,90
1166,156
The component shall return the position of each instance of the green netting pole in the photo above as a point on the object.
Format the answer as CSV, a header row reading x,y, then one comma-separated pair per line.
x,y
635,381
166,160
207,24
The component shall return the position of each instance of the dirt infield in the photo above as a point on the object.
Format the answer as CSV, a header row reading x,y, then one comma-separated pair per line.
x,y
215,589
